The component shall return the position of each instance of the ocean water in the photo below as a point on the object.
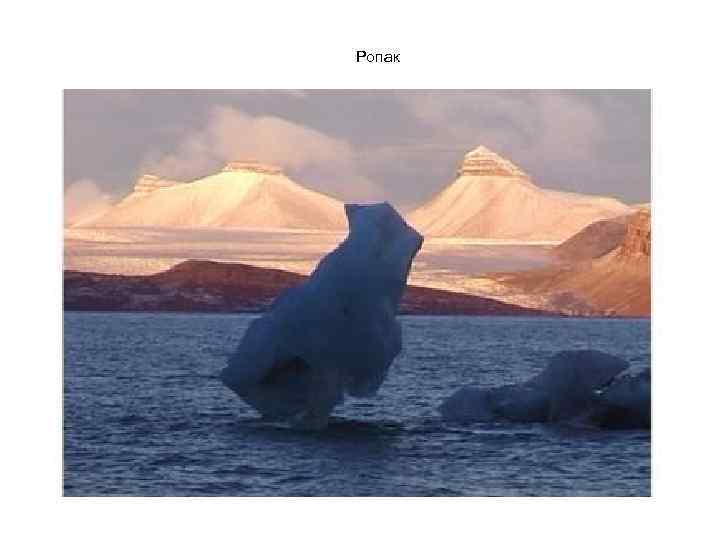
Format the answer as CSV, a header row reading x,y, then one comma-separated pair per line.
x,y
145,414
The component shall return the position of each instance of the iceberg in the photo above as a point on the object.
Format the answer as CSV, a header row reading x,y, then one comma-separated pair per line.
x,y
625,404
566,388
336,333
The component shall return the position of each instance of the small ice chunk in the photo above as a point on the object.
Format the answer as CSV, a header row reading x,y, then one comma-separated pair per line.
x,y
336,333
563,390
625,404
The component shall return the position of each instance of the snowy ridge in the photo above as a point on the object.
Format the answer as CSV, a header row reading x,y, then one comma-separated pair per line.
x,y
242,194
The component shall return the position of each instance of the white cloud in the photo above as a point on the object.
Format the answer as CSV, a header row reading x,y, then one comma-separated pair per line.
x,y
315,159
532,128
84,200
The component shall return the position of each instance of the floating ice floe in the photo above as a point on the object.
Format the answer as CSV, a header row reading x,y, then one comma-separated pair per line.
x,y
336,333
624,404
578,384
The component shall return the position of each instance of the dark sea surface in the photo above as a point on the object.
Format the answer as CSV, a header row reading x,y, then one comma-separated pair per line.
x,y
146,414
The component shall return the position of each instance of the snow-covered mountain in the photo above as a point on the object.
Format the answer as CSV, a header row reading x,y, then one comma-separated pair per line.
x,y
493,198
242,194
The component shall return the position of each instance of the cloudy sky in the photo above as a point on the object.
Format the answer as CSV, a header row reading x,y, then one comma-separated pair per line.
x,y
400,146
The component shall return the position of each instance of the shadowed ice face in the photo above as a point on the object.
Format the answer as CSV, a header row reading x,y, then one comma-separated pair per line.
x,y
383,235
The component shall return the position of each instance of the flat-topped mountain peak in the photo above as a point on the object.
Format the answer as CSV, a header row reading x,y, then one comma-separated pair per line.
x,y
244,194
251,166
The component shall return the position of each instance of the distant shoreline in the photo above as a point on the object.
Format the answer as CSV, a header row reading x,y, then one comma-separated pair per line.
x,y
400,314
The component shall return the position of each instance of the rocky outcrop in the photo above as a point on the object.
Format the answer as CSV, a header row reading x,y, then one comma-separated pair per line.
x,y
616,283
593,241
145,185
251,166
493,198
207,286
149,183
636,242
484,162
